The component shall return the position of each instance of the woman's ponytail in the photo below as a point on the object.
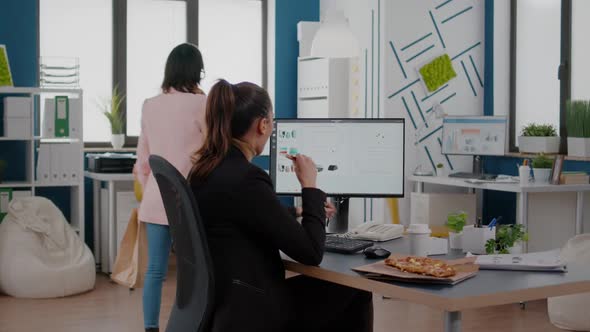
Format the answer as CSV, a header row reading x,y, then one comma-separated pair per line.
x,y
221,104
231,110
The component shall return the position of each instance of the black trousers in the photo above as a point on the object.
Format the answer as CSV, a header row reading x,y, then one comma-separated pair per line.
x,y
323,306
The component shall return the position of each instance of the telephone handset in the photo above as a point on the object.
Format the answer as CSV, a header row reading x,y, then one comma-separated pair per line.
x,y
375,231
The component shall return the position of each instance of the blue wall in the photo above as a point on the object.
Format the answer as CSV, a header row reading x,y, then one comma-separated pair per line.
x,y
18,31
288,14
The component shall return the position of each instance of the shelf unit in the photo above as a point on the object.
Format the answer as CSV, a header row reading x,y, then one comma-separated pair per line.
x,y
76,217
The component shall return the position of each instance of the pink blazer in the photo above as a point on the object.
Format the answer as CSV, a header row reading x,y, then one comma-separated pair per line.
x,y
172,126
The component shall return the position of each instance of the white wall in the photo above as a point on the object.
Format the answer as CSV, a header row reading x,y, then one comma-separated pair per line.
x,y
403,22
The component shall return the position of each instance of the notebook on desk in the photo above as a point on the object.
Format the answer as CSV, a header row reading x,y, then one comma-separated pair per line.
x,y
497,179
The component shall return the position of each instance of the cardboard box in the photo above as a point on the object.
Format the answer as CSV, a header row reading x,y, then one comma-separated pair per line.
x,y
17,107
17,127
474,239
433,209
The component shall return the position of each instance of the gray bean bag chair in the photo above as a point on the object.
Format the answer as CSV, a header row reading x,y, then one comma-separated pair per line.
x,y
571,312
40,254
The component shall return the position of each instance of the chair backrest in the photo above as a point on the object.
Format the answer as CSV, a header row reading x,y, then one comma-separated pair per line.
x,y
192,309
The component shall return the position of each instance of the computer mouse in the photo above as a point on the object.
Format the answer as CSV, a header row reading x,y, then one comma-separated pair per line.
x,y
376,252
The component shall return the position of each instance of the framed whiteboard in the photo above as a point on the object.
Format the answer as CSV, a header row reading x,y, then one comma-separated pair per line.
x,y
474,135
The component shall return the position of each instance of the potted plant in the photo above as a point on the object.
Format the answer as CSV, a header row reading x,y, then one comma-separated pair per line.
x,y
508,240
578,128
539,138
112,111
2,169
542,168
440,169
455,223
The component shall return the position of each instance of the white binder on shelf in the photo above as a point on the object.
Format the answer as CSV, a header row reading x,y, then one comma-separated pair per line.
x,y
56,162
72,159
75,118
44,163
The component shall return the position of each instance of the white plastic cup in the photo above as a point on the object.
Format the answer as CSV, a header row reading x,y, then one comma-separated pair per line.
x,y
419,235
524,173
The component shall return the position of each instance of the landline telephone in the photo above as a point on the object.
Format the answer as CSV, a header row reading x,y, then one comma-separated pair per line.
x,y
376,231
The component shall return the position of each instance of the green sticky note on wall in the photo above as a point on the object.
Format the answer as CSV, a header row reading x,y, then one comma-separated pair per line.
x,y
5,75
437,72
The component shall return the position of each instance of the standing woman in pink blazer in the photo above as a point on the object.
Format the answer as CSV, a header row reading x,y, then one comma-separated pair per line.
x,y
172,126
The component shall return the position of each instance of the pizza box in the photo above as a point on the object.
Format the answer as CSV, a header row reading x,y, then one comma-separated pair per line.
x,y
466,268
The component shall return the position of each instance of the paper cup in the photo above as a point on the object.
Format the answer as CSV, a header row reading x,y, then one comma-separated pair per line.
x,y
419,236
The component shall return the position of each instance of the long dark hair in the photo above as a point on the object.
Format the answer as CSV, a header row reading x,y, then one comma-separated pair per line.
x,y
231,110
183,69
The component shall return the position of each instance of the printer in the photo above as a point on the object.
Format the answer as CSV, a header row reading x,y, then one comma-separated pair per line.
x,y
111,162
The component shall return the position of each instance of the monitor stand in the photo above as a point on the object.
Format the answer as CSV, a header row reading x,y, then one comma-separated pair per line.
x,y
339,222
477,170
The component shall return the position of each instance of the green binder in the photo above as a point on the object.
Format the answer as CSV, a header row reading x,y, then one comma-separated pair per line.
x,y
62,116
5,198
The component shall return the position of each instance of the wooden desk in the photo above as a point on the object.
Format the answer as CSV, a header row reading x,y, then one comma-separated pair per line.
x,y
488,288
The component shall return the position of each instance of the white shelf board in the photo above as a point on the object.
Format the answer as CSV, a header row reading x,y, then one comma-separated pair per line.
x,y
10,89
109,176
499,186
15,184
57,139
58,184
14,139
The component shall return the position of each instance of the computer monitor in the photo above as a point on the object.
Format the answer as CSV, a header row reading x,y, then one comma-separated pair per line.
x,y
474,135
354,157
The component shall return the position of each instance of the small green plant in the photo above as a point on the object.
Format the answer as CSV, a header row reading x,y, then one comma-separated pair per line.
x,y
578,118
506,237
541,161
539,130
439,165
456,221
112,111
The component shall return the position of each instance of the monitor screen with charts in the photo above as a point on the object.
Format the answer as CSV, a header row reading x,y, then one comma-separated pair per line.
x,y
474,135
354,157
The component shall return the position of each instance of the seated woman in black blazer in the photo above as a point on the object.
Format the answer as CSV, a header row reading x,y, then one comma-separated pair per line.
x,y
247,226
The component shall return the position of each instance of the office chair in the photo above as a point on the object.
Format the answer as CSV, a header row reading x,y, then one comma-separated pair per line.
x,y
193,307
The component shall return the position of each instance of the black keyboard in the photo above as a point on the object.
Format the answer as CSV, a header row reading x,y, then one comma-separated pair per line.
x,y
466,175
345,246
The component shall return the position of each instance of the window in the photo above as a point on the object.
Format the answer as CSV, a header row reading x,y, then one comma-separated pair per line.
x,y
126,43
580,51
538,45
230,39
154,27
82,29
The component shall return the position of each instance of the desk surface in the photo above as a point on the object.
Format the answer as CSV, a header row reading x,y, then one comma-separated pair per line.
x,y
510,187
109,176
488,288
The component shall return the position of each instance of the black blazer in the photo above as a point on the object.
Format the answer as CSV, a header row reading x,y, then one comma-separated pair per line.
x,y
246,227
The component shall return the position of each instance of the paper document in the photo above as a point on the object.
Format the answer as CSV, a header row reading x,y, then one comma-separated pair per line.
x,y
499,179
536,261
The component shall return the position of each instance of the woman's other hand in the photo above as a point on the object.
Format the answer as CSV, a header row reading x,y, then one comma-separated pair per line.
x,y
330,209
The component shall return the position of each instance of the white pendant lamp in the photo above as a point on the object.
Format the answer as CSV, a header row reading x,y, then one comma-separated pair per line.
x,y
334,39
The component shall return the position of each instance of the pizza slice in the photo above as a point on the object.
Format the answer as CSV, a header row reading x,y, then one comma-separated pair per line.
x,y
422,265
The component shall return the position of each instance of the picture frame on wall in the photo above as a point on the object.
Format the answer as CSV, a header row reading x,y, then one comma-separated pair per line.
x,y
5,74
557,168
